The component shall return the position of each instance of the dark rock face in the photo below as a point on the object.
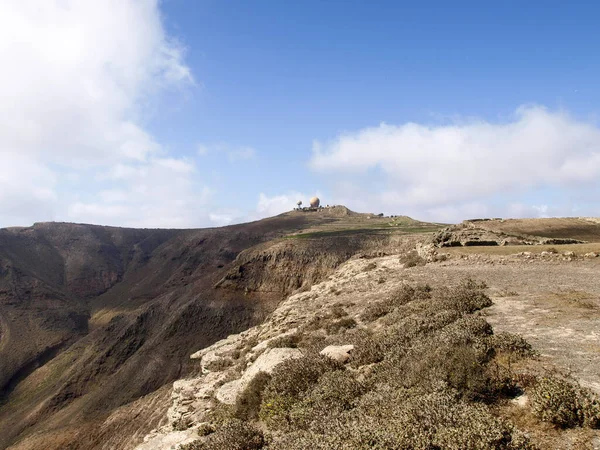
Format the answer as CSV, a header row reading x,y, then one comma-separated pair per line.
x,y
93,318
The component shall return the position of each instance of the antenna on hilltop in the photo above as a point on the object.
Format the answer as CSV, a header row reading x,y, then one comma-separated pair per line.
x,y
299,204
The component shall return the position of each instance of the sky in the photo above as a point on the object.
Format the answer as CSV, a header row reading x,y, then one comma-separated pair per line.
x,y
201,113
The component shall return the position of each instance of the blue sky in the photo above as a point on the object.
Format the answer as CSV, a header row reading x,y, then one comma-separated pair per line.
x,y
202,113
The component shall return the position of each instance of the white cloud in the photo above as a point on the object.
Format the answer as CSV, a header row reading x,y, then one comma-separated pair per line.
x,y
157,193
241,154
234,154
76,77
202,150
429,169
277,204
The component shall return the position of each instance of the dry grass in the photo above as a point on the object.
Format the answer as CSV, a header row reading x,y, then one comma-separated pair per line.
x,y
578,299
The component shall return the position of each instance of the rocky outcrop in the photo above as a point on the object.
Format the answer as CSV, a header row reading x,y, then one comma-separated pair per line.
x,y
339,353
471,233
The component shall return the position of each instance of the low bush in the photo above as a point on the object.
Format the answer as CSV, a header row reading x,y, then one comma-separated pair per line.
x,y
512,343
336,392
408,419
205,429
370,267
233,435
412,259
219,364
181,424
368,349
295,376
287,341
467,297
564,403
289,381
376,310
247,404
338,325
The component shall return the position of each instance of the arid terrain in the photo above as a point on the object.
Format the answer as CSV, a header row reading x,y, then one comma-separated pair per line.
x,y
96,323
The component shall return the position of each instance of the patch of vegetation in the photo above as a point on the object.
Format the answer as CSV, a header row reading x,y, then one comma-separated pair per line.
x,y
289,381
425,380
181,424
564,403
512,343
412,259
287,341
205,429
219,364
248,402
375,310
337,325
233,435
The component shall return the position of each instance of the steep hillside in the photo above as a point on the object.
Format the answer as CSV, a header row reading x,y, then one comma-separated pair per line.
x,y
93,318
387,355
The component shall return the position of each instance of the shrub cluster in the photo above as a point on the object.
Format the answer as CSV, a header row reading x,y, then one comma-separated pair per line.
x,y
565,403
289,381
387,418
287,341
422,381
233,435
512,343
412,259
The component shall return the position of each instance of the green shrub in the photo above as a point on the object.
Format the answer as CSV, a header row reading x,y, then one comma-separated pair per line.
x,y
289,381
370,267
513,344
335,392
367,348
375,310
338,311
467,297
204,429
407,293
219,364
287,341
337,388
402,419
336,326
248,401
564,403
233,435
295,376
468,330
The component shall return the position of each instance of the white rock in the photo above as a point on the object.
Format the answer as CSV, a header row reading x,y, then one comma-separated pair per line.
x,y
170,441
266,362
521,401
340,353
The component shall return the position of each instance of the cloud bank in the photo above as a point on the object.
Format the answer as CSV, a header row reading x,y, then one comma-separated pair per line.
x,y
76,79
451,170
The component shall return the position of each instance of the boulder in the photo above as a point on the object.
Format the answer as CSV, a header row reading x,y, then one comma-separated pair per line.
x,y
340,353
